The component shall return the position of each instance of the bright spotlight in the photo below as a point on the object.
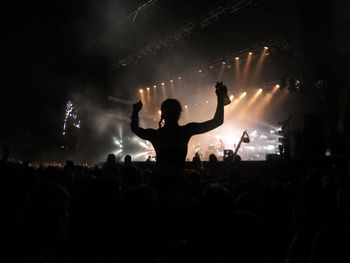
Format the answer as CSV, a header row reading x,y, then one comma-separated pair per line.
x,y
171,81
142,144
186,106
147,88
117,152
250,53
199,71
178,77
162,83
260,90
231,97
160,112
223,63
154,86
266,48
207,102
237,58
244,94
277,86
141,90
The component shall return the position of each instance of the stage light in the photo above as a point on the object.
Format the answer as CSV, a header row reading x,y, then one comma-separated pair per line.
x,y
277,86
250,53
223,63
147,88
244,94
154,86
231,97
163,84
237,58
142,144
186,106
178,77
141,90
171,81
260,90
211,67
199,71
207,102
160,112
266,48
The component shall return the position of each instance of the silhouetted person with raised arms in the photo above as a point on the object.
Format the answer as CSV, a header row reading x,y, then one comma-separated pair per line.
x,y
170,140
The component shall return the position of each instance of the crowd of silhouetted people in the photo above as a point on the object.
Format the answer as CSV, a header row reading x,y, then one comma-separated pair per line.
x,y
295,211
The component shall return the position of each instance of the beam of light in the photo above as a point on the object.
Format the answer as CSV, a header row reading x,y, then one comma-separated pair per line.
x,y
265,102
238,72
143,145
185,116
247,107
258,67
256,95
140,156
117,152
148,95
172,89
118,142
142,95
246,67
164,92
222,69
243,95
234,102
120,129
282,94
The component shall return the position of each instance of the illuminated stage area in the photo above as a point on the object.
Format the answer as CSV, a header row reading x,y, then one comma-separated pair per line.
x,y
258,104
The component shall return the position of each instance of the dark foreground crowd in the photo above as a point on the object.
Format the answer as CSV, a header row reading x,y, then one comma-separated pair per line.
x,y
296,211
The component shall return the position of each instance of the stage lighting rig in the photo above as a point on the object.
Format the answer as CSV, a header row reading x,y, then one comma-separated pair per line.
x,y
155,46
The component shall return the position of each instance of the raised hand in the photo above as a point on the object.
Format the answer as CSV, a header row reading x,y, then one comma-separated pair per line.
x,y
220,89
136,107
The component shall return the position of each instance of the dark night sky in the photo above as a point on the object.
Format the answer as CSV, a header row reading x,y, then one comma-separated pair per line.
x,y
51,49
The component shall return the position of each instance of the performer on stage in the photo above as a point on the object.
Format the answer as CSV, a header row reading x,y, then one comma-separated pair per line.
x,y
170,140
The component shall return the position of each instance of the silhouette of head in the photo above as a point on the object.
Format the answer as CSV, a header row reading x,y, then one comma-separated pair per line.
x,y
111,158
212,158
127,159
171,110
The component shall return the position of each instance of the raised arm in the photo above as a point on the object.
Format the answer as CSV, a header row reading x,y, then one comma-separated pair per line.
x,y
145,134
217,120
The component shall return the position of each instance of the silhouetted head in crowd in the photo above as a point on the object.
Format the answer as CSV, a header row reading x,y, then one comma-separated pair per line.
x,y
170,111
127,159
111,158
212,158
